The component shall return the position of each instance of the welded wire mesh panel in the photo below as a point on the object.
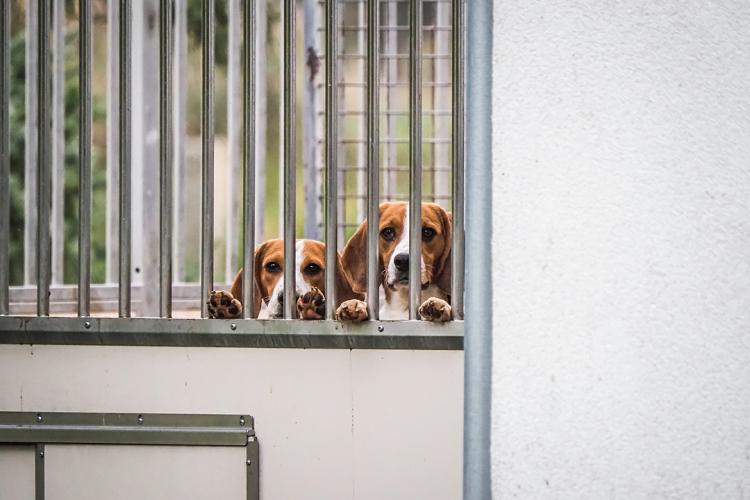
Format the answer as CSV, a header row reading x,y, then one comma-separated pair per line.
x,y
394,106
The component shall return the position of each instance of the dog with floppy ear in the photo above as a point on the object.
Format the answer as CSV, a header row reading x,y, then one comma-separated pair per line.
x,y
268,283
394,260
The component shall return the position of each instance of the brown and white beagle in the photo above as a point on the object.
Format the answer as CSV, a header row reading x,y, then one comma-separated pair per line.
x,y
268,280
394,260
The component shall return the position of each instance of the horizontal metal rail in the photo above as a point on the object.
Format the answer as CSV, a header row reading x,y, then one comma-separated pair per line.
x,y
300,334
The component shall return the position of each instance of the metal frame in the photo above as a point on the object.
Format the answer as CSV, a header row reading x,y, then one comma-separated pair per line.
x,y
478,355
302,334
144,429
369,168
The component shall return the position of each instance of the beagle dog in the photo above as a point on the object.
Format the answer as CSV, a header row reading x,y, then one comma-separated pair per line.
x,y
394,261
268,282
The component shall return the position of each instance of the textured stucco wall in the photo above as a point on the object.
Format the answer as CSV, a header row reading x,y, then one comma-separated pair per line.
x,y
621,251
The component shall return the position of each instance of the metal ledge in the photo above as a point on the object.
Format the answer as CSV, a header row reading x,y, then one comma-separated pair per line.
x,y
419,335
125,428
141,429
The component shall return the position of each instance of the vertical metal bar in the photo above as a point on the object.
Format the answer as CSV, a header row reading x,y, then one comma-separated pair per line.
x,y
290,163
373,155
145,155
31,148
415,156
391,157
477,339
311,180
362,127
39,467
4,157
57,224
248,174
112,254
457,245
166,141
234,139
252,460
179,133
84,158
261,98
332,151
440,96
207,158
124,181
44,185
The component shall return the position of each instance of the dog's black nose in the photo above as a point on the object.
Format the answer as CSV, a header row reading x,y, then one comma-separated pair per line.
x,y
401,261
281,297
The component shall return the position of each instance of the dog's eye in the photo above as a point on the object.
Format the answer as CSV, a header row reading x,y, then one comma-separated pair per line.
x,y
273,267
312,269
428,233
388,233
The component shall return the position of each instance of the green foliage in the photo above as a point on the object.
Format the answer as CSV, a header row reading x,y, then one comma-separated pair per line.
x,y
17,159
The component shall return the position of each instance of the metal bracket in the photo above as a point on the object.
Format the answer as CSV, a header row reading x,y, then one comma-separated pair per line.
x,y
147,429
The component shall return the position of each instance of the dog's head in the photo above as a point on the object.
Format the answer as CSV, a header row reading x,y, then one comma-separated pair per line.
x,y
310,269
393,248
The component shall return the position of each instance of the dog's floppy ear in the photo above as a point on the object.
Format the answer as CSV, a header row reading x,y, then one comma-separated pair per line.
x,y
443,271
354,259
344,290
257,294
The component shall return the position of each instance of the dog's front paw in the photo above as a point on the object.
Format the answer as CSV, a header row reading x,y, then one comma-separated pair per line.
x,y
223,305
312,305
435,309
352,310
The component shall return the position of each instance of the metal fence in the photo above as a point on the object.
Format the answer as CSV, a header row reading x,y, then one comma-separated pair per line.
x,y
383,50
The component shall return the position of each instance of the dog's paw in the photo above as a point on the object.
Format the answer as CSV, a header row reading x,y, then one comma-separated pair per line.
x,y
352,310
435,309
223,305
312,305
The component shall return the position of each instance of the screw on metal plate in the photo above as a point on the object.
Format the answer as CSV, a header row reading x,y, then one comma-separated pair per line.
x,y
233,326
38,417
251,439
140,419
41,454
242,420
249,462
381,328
87,324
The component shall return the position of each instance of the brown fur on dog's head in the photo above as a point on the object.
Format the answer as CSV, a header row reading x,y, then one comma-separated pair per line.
x,y
436,251
269,266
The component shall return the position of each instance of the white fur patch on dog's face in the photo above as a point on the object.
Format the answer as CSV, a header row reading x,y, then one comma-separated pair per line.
x,y
394,278
301,284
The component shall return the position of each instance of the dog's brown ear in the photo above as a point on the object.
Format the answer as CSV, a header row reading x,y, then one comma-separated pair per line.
x,y
236,289
354,260
344,290
443,278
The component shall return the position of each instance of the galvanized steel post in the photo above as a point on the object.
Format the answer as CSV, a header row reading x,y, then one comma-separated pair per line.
x,y
331,154
44,185
248,173
125,236
207,157
84,158
290,163
457,245
373,157
478,336
166,157
415,156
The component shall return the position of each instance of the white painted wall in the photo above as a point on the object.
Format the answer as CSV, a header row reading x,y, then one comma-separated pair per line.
x,y
332,423
621,249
